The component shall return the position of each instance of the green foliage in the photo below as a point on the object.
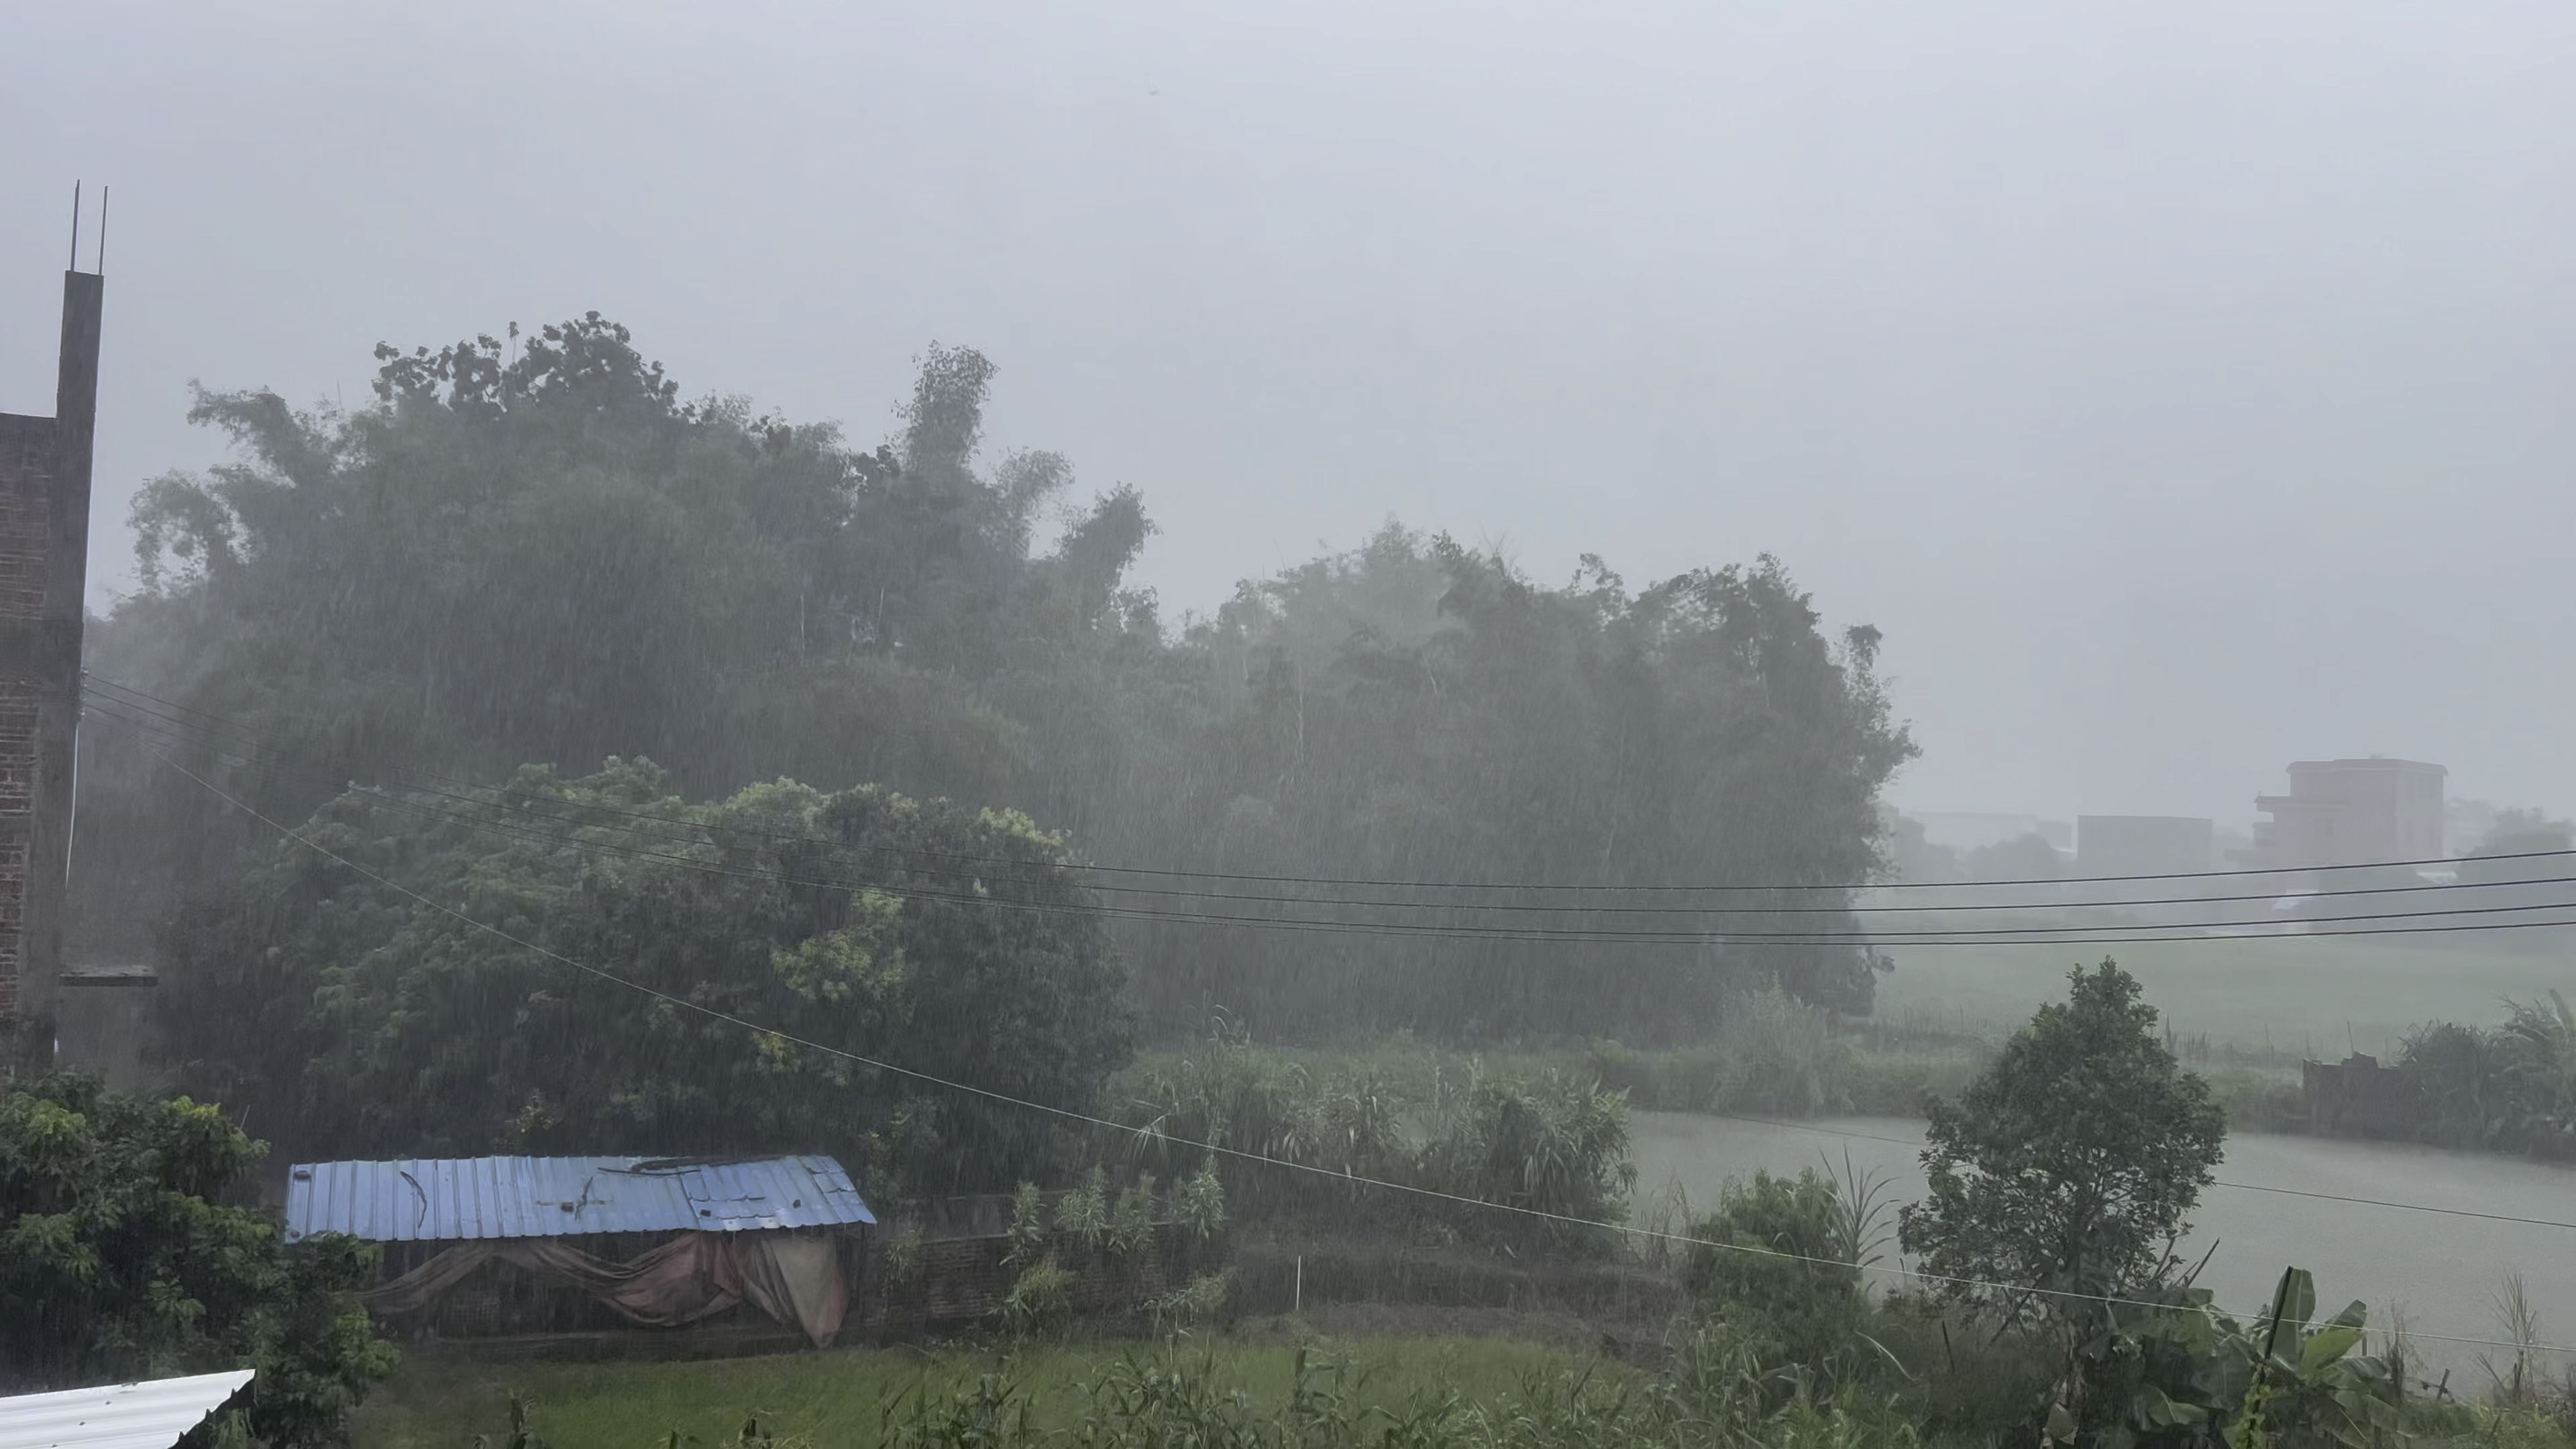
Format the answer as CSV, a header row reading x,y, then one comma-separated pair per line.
x,y
2509,1088
1552,1142
1198,1203
1082,1214
1040,1300
1555,1145
533,549
903,1253
1715,1395
1131,1223
1192,1303
368,1022
1772,1257
523,1433
1409,709
121,1257
1027,1234
2069,1165
2175,1373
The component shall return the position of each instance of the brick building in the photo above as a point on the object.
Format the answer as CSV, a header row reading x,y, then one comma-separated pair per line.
x,y
44,557
2351,812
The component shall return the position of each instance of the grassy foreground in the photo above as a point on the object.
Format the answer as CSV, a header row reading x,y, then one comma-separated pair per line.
x,y
441,1400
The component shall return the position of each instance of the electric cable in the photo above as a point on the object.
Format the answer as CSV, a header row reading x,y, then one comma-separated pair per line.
x,y
2025,933
1150,1135
2109,934
1539,886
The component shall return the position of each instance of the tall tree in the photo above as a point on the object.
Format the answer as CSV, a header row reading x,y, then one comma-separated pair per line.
x,y
530,549
2069,1165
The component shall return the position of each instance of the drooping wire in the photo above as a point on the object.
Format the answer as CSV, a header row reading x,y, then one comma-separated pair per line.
x,y
1639,887
2114,933
2019,933
1151,1135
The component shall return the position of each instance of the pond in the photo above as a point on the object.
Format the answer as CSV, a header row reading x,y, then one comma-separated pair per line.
x,y
2442,1271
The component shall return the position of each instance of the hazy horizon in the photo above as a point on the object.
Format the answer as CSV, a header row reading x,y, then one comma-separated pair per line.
x,y
2182,389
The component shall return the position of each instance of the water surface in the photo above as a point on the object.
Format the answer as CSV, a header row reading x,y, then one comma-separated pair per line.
x,y
2442,1272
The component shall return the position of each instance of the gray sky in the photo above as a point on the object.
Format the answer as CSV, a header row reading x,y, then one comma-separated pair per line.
x,y
2185,387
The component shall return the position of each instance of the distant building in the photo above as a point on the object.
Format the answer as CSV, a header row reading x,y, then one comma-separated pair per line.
x,y
2114,845
1975,830
1968,830
2350,812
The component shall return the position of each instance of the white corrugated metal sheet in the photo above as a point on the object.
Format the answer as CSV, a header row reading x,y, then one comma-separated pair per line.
x,y
462,1199
117,1416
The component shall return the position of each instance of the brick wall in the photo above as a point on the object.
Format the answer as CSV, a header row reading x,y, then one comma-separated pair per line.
x,y
26,485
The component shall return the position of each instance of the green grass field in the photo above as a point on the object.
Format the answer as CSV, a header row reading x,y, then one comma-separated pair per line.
x,y
441,1400
2320,997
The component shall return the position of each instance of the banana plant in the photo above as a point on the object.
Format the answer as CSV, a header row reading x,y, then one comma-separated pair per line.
x,y
2308,1385
2174,1373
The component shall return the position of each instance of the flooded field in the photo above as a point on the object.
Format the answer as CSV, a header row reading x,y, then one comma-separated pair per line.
x,y
2442,1271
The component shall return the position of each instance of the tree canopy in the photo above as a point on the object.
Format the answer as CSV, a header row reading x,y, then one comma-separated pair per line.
x,y
532,549
431,970
121,1257
2069,1164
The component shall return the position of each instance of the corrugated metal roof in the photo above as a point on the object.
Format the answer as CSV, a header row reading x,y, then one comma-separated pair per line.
x,y
148,1415
456,1199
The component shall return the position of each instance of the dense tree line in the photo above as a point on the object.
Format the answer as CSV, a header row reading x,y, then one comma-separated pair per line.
x,y
531,550
429,968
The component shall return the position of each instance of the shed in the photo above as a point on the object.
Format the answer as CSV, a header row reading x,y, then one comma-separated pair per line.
x,y
515,1244
149,1415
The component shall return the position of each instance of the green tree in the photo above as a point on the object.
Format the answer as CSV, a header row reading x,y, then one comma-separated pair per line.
x,y
2068,1165
925,934
532,549
121,1257
1774,1255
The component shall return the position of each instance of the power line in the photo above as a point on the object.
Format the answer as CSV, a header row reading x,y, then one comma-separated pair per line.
x,y
1215,1149
2113,934
1541,886
711,827
2110,933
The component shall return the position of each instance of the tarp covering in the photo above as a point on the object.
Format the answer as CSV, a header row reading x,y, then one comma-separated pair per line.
x,y
794,1279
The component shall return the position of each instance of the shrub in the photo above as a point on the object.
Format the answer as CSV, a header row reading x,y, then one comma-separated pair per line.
x,y
1198,1203
120,1258
1027,1234
1082,1214
1131,1226
1040,1300
1771,1257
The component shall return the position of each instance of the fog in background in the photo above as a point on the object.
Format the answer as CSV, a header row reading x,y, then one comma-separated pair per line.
x,y
2184,387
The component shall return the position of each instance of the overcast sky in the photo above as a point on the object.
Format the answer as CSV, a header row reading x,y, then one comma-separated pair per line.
x,y
2184,387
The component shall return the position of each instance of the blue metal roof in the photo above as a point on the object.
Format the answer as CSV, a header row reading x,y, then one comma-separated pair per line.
x,y
457,1199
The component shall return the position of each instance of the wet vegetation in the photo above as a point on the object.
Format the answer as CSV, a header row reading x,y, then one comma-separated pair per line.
x,y
532,761
2508,1088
